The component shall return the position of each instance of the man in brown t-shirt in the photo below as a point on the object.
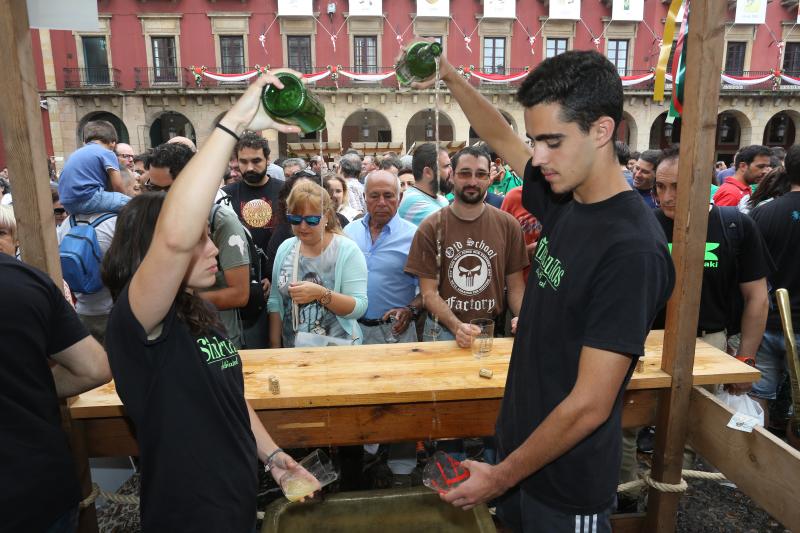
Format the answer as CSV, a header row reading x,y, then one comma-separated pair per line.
x,y
481,253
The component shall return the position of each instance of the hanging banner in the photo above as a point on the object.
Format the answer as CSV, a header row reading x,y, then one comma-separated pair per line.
x,y
499,9
433,8
295,8
565,9
751,11
628,10
366,8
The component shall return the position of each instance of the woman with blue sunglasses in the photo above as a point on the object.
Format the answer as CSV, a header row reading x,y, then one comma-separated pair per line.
x,y
319,278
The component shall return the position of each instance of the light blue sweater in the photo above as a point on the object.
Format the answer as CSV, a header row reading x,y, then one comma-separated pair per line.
x,y
351,279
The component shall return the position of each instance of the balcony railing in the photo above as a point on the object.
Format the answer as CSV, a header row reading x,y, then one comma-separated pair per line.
x,y
768,85
157,77
91,78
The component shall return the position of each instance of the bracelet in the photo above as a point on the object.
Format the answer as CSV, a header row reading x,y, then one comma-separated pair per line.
x,y
271,459
228,131
326,298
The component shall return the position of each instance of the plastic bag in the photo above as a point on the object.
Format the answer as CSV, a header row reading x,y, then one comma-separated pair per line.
x,y
742,404
304,339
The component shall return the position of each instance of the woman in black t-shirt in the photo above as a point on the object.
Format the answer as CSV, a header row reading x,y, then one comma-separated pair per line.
x,y
176,372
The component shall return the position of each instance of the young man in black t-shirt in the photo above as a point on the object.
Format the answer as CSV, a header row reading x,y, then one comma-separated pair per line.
x,y
38,486
600,273
779,222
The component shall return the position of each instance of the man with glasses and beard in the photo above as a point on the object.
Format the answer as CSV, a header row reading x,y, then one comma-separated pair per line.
x,y
480,255
231,289
426,195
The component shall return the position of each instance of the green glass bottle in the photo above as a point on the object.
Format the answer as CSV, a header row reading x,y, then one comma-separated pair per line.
x,y
293,104
418,63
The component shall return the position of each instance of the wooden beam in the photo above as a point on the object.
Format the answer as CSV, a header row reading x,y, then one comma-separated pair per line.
x,y
23,135
358,424
762,465
627,523
699,120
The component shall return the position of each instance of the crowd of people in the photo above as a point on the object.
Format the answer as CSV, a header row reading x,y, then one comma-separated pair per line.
x,y
204,252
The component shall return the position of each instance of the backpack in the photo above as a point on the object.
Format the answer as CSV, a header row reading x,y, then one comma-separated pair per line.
x,y
258,260
733,235
81,256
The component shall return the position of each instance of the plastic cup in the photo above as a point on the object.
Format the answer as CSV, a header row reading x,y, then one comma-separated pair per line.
x,y
443,473
314,472
482,341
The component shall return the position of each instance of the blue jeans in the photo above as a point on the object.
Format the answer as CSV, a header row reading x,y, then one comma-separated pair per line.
x,y
771,361
66,523
101,202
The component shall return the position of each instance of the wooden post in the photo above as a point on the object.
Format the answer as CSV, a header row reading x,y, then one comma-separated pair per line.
x,y
21,123
699,122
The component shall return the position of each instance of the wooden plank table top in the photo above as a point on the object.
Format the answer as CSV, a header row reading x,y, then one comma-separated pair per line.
x,y
405,373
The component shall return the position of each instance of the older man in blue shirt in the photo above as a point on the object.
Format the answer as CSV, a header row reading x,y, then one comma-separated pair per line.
x,y
385,239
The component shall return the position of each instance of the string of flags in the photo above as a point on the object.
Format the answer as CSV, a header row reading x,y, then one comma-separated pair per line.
x,y
335,71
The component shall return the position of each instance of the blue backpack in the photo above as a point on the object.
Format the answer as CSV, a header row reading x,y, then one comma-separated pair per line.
x,y
80,255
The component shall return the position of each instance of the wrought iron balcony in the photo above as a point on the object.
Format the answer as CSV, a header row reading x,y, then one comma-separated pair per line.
x,y
158,77
91,78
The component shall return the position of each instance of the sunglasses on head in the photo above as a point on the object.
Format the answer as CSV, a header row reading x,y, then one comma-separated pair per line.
x,y
296,220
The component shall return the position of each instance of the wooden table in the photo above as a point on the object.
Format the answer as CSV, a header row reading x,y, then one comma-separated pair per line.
x,y
384,393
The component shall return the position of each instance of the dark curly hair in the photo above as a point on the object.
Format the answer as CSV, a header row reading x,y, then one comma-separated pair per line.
x,y
584,83
174,156
251,139
134,233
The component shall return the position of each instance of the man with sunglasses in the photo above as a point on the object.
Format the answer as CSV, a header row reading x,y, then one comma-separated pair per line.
x,y
232,287
480,254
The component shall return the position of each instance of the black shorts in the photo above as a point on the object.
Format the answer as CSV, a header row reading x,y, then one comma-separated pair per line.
x,y
517,510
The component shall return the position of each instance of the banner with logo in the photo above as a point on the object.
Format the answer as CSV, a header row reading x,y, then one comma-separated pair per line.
x,y
565,9
366,8
628,10
433,8
751,11
500,9
297,8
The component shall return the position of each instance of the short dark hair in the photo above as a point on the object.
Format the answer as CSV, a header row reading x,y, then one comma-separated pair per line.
x,y
99,130
389,162
424,156
635,155
652,156
143,157
251,139
623,152
792,164
350,165
584,83
670,153
174,156
749,153
475,151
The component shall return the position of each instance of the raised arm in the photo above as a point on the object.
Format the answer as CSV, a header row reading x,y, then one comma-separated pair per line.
x,y
184,216
487,121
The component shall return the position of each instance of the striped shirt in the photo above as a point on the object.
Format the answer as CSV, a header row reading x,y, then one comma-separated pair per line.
x,y
417,205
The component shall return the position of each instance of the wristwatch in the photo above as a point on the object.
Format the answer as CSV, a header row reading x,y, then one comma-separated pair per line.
x,y
414,311
746,359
